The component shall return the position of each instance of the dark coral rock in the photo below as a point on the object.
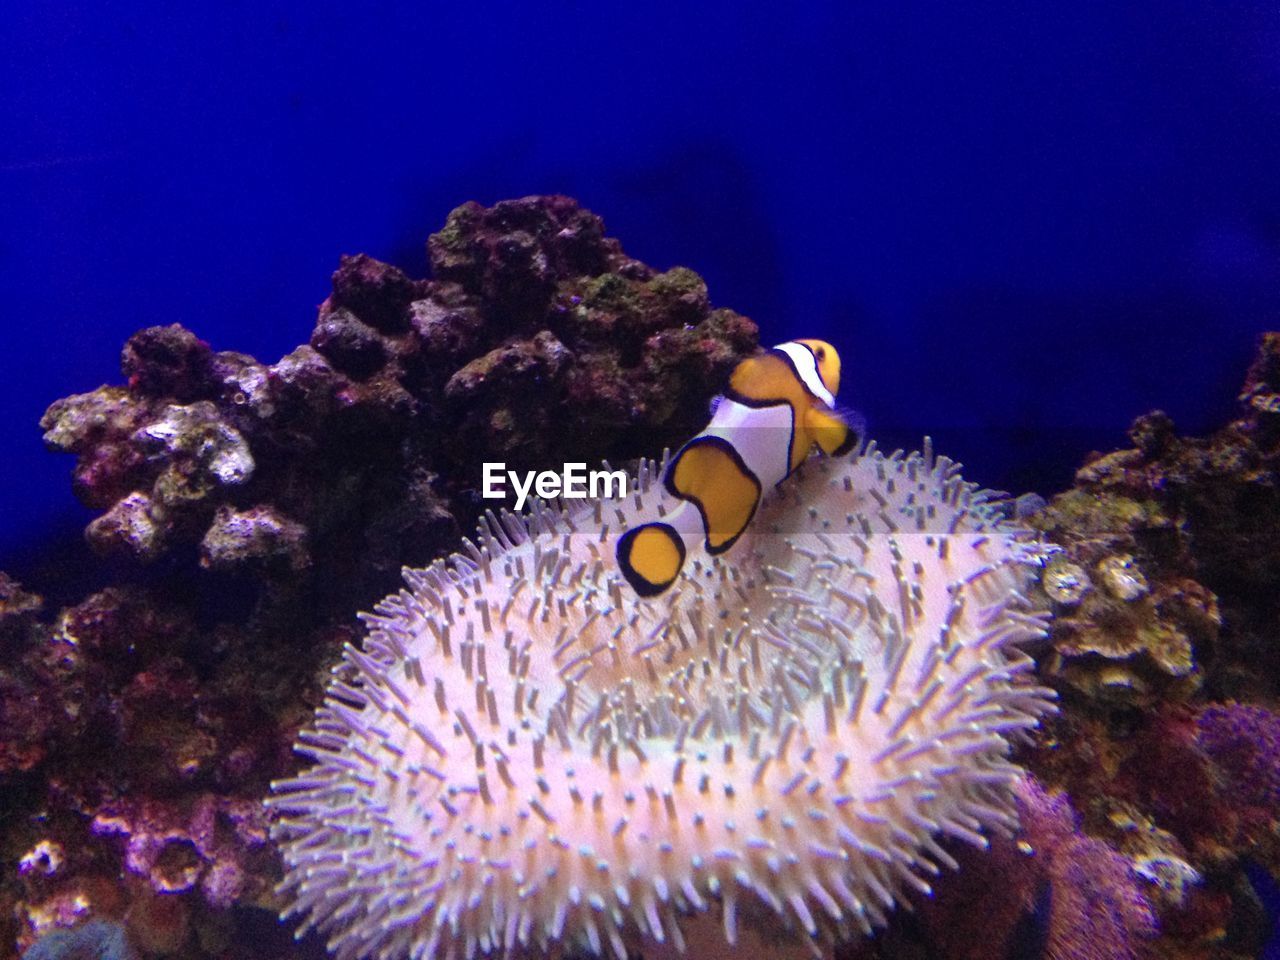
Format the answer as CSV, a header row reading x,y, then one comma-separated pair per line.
x,y
140,727
199,451
376,292
124,626
538,341
258,536
1176,536
304,390
133,527
348,343
1192,807
526,365
1261,393
167,362
160,923
512,253
1153,434
245,389
98,428
1070,894
1166,594
1097,901
518,277
1244,741
447,334
155,727
27,721
18,609
153,466
209,844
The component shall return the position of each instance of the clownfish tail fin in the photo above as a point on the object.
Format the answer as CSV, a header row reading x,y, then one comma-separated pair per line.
x,y
835,432
651,557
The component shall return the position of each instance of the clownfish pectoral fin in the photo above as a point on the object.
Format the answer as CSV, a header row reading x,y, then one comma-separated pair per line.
x,y
831,432
650,557
711,474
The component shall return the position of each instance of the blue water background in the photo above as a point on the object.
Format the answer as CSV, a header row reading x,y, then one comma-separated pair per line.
x,y
1023,224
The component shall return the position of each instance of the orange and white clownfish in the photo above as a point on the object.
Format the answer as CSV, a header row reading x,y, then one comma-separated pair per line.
x,y
777,407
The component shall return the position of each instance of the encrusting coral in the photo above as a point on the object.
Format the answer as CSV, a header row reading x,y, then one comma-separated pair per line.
x,y
524,755
1119,635
1051,891
1172,538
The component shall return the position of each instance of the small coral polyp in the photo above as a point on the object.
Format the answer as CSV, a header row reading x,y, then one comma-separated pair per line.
x,y
525,759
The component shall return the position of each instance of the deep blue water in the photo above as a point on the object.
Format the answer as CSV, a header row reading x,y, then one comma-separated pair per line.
x,y
1023,224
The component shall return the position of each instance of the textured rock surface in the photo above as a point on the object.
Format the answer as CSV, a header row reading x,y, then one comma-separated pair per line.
x,y
537,341
257,506
1173,537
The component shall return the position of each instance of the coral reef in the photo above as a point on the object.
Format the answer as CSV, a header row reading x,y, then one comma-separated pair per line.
x,y
145,745
1164,648
1082,898
1168,540
537,341
247,509
252,508
1128,622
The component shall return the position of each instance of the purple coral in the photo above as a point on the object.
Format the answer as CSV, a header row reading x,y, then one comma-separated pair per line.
x,y
1081,893
211,844
1097,910
1244,741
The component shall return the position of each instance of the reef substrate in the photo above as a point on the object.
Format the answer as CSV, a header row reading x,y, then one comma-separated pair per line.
x,y
250,509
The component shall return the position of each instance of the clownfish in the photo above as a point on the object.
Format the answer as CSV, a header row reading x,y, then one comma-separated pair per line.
x,y
777,407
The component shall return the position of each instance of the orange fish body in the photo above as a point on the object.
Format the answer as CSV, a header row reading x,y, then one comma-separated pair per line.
x,y
777,407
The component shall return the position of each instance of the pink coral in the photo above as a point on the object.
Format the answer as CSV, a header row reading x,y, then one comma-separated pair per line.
x,y
1098,911
1244,741
1080,892
213,843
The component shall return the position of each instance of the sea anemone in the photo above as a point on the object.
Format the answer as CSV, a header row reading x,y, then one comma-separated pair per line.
x,y
524,756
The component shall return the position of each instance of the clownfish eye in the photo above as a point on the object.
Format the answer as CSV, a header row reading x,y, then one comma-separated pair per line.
x,y
821,353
